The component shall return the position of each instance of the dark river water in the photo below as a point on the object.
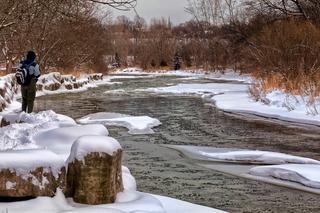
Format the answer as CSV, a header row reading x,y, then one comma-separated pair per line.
x,y
189,120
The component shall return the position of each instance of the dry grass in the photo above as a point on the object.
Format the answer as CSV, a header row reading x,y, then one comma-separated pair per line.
x,y
302,85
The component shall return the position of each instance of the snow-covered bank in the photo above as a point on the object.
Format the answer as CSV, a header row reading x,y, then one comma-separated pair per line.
x,y
235,96
8,89
135,124
227,75
242,102
55,83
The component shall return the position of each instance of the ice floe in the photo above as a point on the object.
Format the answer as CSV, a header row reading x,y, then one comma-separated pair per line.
x,y
135,124
255,156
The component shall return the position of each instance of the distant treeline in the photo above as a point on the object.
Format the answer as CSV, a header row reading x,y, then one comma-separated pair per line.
x,y
277,41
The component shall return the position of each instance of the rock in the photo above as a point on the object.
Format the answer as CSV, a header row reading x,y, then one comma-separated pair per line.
x,y
68,86
4,122
51,81
2,92
39,182
31,173
76,85
68,78
94,170
2,103
96,76
52,86
39,87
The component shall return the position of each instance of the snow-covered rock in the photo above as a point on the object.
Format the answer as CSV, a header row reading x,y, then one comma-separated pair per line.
x,y
55,83
8,88
135,124
30,173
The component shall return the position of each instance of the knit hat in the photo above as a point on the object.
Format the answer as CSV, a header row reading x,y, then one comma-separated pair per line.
x,y
31,56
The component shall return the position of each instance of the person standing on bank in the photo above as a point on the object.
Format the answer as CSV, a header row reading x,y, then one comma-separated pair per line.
x,y
27,76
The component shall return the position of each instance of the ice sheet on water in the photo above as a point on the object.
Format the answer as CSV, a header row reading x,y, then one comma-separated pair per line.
x,y
200,89
135,124
255,156
306,174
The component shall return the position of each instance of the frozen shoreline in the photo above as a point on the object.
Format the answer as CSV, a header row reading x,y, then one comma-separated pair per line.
x,y
234,97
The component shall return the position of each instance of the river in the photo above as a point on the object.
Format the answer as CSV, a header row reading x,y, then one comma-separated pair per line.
x,y
188,120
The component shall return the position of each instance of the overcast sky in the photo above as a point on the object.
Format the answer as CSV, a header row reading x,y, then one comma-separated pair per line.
x,y
148,9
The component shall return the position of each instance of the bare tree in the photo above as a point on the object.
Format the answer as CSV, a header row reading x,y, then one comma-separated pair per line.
x,y
117,4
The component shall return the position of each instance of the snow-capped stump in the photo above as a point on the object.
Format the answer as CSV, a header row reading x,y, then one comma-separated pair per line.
x,y
94,170
31,173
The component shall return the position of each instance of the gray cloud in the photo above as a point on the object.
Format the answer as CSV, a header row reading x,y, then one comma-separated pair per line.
x,y
148,9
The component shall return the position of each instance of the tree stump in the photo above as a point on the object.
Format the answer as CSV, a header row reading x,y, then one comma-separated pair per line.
x,y
96,176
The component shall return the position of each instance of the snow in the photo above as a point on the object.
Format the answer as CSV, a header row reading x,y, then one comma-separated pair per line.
x,y
10,185
200,89
126,202
171,205
229,75
129,182
115,91
24,161
255,156
93,144
135,124
60,140
20,135
242,102
41,117
308,175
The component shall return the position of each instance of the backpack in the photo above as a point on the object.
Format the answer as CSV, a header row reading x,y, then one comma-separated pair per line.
x,y
23,76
